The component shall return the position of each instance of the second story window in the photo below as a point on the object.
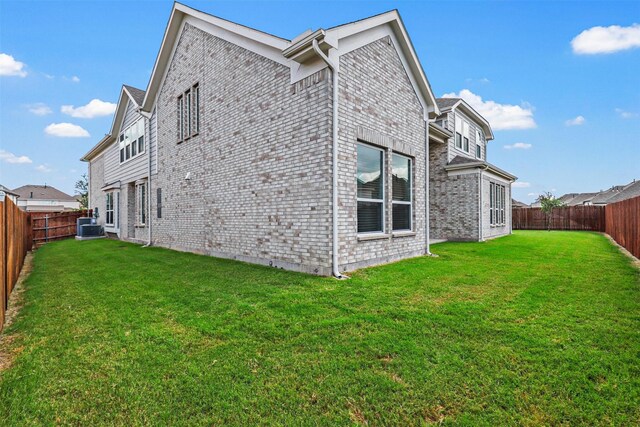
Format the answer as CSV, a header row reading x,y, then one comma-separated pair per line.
x,y
479,142
458,132
465,136
188,113
131,141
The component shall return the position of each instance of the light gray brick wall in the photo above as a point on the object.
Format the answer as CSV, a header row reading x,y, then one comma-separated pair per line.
x,y
260,187
376,97
454,200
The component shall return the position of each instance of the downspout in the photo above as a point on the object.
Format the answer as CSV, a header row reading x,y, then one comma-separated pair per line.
x,y
334,202
427,199
147,116
480,239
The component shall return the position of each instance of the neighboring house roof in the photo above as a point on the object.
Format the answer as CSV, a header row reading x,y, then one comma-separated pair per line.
x,y
126,93
295,53
602,198
580,199
517,204
42,192
461,163
630,190
446,104
5,190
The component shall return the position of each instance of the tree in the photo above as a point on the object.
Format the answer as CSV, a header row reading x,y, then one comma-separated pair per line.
x,y
82,190
548,203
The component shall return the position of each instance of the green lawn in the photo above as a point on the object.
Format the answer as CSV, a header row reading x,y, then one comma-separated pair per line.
x,y
537,328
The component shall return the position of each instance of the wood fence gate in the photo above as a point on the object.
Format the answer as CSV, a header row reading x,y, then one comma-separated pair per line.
x,y
49,226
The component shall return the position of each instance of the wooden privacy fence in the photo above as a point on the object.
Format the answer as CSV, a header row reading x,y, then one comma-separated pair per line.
x,y
15,242
48,226
623,224
619,220
585,218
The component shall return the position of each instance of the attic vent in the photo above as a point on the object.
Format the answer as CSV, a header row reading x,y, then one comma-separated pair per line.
x,y
313,79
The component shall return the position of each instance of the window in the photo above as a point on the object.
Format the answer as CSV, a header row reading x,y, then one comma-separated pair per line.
x,y
159,201
497,204
458,132
196,109
131,141
141,203
492,203
465,135
180,119
370,180
478,144
401,192
109,209
188,113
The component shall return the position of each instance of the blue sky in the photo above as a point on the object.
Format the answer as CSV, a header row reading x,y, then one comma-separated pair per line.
x,y
514,60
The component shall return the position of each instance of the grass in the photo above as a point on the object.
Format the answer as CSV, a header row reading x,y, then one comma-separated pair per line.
x,y
536,328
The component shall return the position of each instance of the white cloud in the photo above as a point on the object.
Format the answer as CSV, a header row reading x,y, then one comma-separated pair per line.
x,y
626,114
576,122
518,146
43,168
75,79
532,194
500,116
10,67
610,39
95,108
48,76
521,184
8,157
67,130
39,109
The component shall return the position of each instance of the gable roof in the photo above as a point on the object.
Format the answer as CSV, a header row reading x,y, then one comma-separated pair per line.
x,y
137,95
42,192
461,163
127,93
290,53
446,104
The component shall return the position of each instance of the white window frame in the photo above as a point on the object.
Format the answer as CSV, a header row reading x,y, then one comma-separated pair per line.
x,y
492,203
141,204
479,141
381,201
401,202
458,132
109,209
465,136
188,113
125,147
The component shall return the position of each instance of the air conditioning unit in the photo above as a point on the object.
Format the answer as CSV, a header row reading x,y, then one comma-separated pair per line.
x,y
83,221
90,230
87,227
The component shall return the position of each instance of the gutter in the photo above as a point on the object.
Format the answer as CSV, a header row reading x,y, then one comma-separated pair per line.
x,y
334,202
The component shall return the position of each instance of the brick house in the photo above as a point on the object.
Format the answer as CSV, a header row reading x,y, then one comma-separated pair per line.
x,y
470,199
307,154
